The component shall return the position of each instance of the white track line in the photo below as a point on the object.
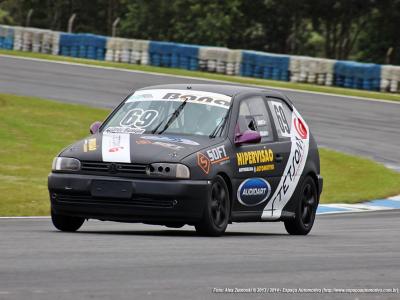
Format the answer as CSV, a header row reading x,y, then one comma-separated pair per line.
x,y
198,78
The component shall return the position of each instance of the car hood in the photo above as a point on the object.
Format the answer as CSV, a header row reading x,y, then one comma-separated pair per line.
x,y
141,149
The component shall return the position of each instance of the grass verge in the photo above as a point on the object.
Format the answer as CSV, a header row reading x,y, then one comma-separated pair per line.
x,y
33,131
205,75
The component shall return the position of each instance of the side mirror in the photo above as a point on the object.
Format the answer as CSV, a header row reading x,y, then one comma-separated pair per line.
x,y
94,128
247,137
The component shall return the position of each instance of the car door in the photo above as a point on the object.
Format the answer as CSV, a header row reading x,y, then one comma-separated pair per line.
x,y
259,166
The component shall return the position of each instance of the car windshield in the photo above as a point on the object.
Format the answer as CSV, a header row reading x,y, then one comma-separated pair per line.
x,y
170,111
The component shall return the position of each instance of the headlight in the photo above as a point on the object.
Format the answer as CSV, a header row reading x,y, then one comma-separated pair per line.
x,y
169,170
66,164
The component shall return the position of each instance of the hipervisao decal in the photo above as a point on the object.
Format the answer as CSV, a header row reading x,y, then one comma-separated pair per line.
x,y
89,145
139,118
212,156
171,139
253,191
127,130
254,157
293,170
116,148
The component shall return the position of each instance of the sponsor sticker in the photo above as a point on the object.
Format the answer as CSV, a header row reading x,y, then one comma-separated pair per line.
x,y
256,169
89,145
255,157
126,130
253,191
200,97
162,144
293,170
171,139
212,156
116,148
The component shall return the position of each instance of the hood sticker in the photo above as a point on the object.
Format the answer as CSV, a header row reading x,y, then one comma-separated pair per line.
x,y
89,145
300,140
116,148
172,139
158,143
126,130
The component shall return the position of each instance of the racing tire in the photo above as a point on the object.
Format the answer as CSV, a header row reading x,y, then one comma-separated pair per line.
x,y
217,210
306,208
66,223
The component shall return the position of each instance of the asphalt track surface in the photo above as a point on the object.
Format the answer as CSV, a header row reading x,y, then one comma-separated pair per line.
x,y
360,127
107,260
135,261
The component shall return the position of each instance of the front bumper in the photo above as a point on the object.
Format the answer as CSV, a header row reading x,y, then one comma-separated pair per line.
x,y
152,201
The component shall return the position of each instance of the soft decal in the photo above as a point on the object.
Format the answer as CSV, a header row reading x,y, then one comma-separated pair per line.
x,y
171,139
126,130
116,148
255,161
212,156
89,145
293,170
253,191
192,96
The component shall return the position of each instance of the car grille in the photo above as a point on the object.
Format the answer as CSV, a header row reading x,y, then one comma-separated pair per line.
x,y
135,201
118,169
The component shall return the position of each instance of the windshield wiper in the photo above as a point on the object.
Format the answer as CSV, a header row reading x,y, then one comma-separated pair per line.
x,y
221,125
173,117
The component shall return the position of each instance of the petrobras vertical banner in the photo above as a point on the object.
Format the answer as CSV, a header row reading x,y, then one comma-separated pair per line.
x,y
300,139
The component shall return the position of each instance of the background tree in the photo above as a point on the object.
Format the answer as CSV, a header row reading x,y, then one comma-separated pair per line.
x,y
340,29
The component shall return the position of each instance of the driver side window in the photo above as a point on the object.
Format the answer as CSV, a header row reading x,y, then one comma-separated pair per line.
x,y
253,115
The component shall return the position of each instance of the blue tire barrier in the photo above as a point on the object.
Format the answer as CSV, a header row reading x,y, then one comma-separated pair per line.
x,y
347,74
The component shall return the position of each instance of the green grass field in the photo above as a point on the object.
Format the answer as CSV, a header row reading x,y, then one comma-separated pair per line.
x,y
205,75
33,131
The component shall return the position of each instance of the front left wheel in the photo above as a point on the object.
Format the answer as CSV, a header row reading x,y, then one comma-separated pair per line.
x,y
66,223
216,213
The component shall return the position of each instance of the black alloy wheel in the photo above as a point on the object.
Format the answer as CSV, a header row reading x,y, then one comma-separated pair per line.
x,y
216,213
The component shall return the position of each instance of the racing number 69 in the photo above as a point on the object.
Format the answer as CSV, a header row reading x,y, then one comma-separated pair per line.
x,y
139,118
280,115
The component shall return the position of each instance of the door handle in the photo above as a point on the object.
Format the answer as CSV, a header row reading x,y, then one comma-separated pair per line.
x,y
278,158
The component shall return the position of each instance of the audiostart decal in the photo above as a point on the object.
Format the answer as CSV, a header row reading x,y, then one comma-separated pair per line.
x,y
293,170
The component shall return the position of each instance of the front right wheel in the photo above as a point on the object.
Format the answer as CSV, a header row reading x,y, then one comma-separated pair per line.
x,y
216,213
306,208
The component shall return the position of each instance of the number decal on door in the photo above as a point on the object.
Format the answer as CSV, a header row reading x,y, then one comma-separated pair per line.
x,y
139,118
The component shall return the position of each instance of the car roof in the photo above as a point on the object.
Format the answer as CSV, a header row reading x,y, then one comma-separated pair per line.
x,y
225,89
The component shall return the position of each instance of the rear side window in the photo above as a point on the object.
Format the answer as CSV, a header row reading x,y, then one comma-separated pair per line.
x,y
253,115
282,116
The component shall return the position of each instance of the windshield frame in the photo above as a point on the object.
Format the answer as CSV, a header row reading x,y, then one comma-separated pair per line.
x,y
224,133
